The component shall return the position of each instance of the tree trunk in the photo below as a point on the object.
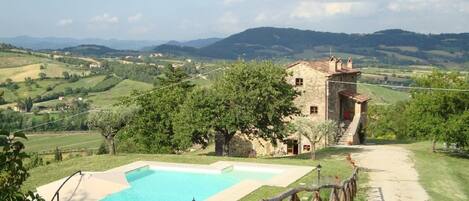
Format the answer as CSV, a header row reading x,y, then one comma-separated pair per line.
x,y
313,151
434,145
219,143
111,145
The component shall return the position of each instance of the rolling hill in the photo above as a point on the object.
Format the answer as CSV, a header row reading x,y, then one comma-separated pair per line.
x,y
389,46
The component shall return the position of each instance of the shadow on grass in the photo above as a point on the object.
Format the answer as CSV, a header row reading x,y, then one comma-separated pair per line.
x,y
327,152
385,141
454,153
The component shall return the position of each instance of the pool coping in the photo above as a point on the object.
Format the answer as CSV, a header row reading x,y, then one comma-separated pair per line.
x,y
98,185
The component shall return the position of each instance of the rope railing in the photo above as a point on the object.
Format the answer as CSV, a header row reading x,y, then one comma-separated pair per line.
x,y
56,195
346,191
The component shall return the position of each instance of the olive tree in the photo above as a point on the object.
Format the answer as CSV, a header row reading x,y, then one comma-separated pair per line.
x,y
110,122
314,131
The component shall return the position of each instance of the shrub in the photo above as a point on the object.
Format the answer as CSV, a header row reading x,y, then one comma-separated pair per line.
x,y
35,161
102,149
57,154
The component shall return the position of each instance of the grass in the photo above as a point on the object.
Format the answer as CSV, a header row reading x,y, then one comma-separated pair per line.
x,y
443,175
112,96
332,160
44,142
382,95
87,82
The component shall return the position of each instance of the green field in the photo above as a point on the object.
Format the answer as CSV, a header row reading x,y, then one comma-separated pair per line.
x,y
112,96
382,95
444,176
88,82
45,142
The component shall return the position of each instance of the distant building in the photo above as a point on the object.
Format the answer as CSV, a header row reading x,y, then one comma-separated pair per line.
x,y
156,55
61,98
95,65
327,92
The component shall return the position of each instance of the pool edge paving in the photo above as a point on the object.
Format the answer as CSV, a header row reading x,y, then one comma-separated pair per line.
x,y
97,185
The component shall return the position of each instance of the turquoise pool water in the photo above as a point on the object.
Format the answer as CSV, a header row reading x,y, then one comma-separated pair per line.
x,y
160,185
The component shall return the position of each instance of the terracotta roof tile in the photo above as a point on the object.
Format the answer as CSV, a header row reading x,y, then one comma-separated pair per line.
x,y
323,66
355,96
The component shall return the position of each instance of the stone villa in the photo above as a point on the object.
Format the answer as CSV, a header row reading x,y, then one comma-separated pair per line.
x,y
327,93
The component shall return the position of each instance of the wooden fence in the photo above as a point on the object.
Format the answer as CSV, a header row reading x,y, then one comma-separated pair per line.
x,y
346,191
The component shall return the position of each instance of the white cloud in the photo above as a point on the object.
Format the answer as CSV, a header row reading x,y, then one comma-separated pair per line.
x,y
228,23
105,18
320,9
64,22
428,5
135,18
228,2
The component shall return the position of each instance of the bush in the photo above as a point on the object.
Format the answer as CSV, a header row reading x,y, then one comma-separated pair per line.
x,y
57,154
103,149
35,161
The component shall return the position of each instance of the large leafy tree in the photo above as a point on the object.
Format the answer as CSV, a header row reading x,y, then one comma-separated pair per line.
x,y
433,114
152,130
252,98
25,104
109,123
12,171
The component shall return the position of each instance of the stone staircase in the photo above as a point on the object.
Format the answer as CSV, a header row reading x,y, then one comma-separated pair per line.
x,y
351,133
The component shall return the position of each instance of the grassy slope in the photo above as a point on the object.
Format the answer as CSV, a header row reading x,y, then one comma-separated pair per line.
x,y
18,66
124,88
85,83
444,177
72,140
331,159
382,95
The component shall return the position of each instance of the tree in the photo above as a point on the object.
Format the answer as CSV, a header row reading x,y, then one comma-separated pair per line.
x,y
109,123
66,75
2,100
252,98
152,130
430,112
42,76
12,171
315,132
25,104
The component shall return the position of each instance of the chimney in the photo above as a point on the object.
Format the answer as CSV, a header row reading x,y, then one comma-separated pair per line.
x,y
350,63
332,64
339,64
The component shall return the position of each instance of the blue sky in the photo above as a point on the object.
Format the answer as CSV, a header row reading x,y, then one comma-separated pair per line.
x,y
192,19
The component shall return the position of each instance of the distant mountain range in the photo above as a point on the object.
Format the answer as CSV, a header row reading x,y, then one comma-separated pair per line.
x,y
37,43
389,46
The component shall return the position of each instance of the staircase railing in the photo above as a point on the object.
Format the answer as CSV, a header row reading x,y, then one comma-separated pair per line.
x,y
56,195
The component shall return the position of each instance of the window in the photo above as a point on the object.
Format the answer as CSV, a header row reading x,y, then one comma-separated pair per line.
x,y
313,110
306,147
299,81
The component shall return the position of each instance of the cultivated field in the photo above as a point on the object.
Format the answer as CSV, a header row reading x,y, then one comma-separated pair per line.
x,y
48,141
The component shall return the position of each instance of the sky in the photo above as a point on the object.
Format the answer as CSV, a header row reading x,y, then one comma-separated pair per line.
x,y
193,19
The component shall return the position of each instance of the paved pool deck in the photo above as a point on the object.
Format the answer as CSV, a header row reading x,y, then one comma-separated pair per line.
x,y
94,186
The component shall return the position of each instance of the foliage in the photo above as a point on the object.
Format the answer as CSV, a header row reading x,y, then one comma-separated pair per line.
x,y
34,161
12,171
430,111
2,100
25,104
437,115
57,154
106,84
103,149
152,130
110,122
42,76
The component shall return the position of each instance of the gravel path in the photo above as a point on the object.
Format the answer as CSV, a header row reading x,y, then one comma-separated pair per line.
x,y
391,172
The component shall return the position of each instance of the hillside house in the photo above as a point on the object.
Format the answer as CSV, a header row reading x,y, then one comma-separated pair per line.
x,y
328,92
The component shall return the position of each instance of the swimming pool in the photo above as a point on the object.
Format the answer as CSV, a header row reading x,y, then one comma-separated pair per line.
x,y
149,184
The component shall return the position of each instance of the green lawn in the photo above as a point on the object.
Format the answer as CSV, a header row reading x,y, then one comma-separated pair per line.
x,y
444,176
382,95
332,160
65,140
